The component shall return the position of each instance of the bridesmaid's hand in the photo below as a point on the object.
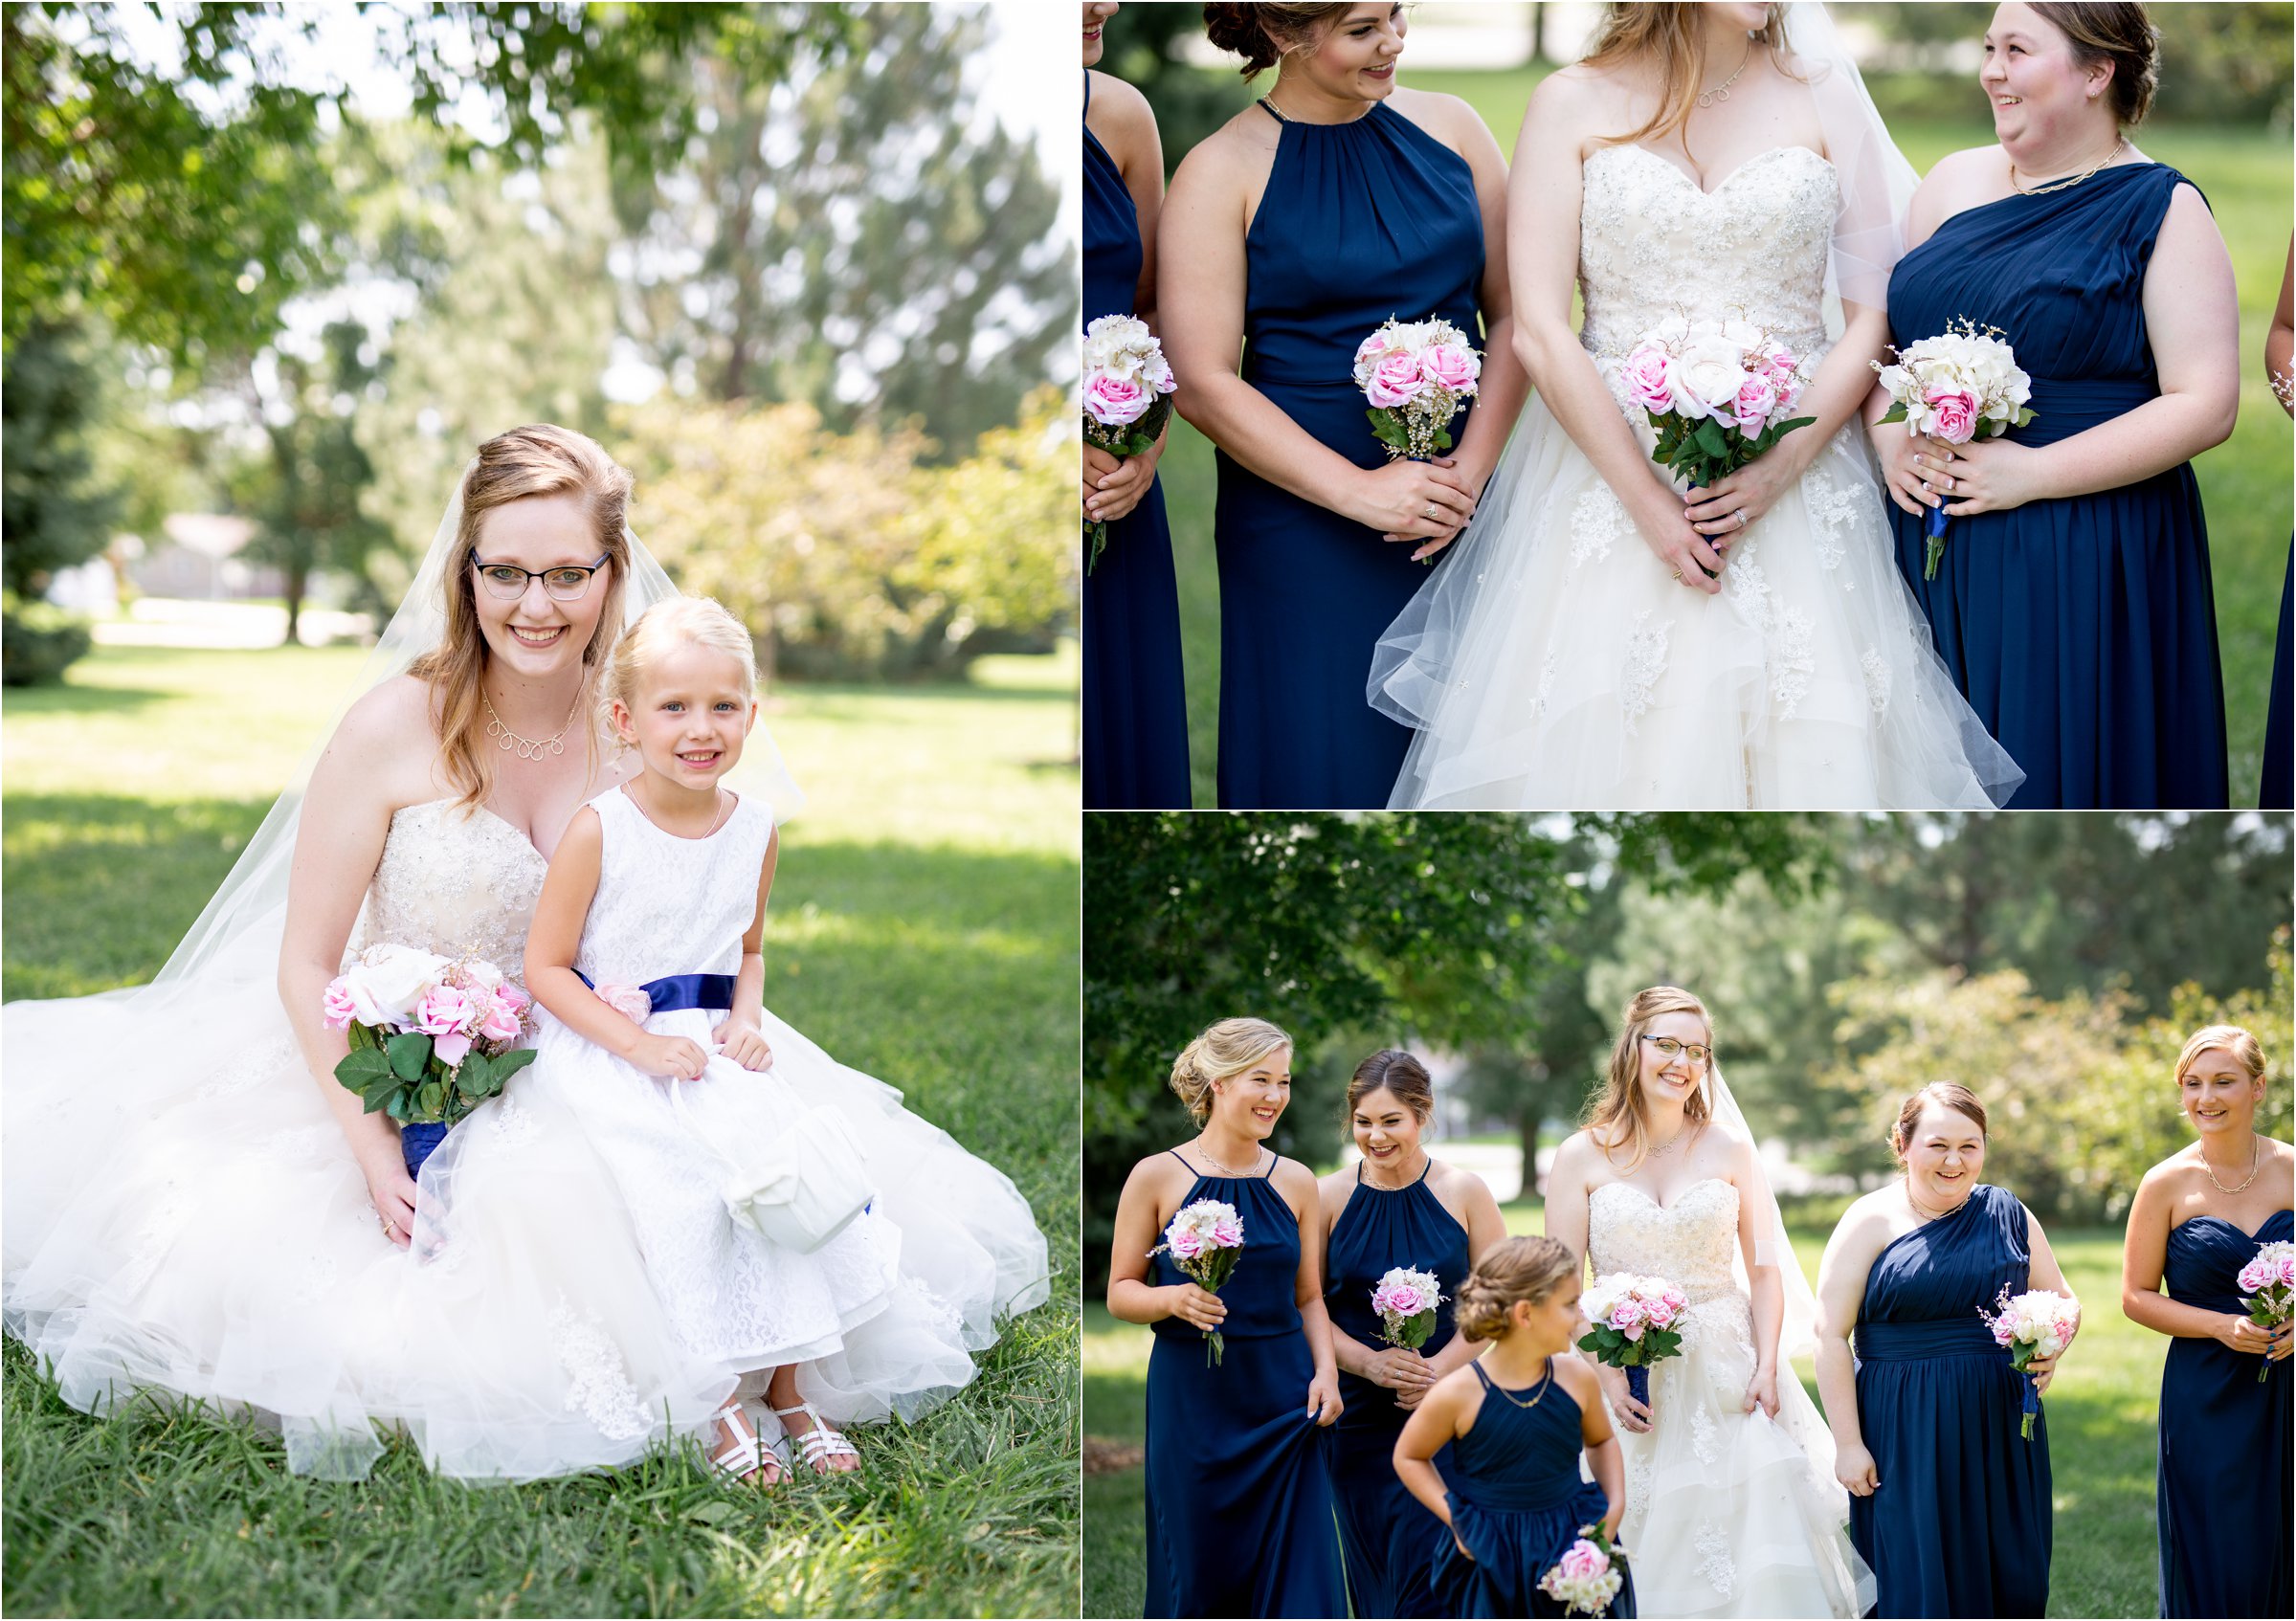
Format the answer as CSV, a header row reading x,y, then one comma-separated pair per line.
x,y
1462,1548
1762,1391
1632,1415
1682,549
1195,1306
1412,500
2235,1332
1428,549
1323,1399
1983,476
1113,488
1400,1369
392,1192
1895,449
1854,1468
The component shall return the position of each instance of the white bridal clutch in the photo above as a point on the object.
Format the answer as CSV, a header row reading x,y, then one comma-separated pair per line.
x,y
805,1187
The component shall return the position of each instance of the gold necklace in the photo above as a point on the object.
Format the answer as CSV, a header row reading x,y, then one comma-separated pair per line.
x,y
2256,1163
1541,1386
1927,1216
1380,1187
1721,92
2049,186
1221,1166
527,748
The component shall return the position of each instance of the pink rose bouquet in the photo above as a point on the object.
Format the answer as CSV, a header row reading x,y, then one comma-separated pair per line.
x,y
1961,385
1586,1580
2269,1283
1718,394
1415,375
1205,1240
1405,1301
1127,398
2037,1323
1634,1325
431,1037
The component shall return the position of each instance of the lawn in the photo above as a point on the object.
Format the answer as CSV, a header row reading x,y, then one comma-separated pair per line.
x,y
2244,483
923,929
2103,1410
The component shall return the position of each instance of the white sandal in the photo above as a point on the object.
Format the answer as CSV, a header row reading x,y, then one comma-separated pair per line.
x,y
820,1443
740,1455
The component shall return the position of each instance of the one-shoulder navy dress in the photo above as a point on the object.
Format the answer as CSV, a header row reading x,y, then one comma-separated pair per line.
x,y
1517,1502
1383,1528
1238,1485
2227,1500
1135,704
1960,1523
2082,630
1360,222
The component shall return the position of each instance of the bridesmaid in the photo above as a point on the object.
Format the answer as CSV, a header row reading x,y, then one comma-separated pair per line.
x,y
1949,1502
2279,788
1399,1207
1493,1451
1238,1492
1335,201
1135,705
2073,604
2225,1494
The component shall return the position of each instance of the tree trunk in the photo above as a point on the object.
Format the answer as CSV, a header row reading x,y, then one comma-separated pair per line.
x,y
296,582
1527,1124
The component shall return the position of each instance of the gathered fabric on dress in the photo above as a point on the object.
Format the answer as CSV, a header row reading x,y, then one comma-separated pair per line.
x,y
2277,791
2227,1481
1237,1481
1960,1523
2083,628
1360,222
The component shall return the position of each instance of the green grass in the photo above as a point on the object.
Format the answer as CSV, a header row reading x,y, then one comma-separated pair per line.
x,y
923,929
2103,1413
2246,174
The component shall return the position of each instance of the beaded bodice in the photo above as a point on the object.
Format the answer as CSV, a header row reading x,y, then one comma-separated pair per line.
x,y
462,885
1689,1243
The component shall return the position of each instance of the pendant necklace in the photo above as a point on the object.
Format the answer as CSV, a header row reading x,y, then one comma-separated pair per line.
x,y
526,747
1721,92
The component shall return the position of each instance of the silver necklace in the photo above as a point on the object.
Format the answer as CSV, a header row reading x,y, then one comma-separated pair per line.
x,y
1221,1166
526,747
1721,92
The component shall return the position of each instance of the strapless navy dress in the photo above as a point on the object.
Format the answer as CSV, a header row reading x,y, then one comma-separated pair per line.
x,y
1383,1528
2226,1500
1135,704
1238,1485
2082,630
1360,222
1960,1524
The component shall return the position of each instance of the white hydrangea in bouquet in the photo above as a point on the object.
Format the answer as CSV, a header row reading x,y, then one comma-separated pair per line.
x,y
1586,1580
1405,1301
1417,374
1963,384
1205,1240
2269,1283
1127,398
2038,1323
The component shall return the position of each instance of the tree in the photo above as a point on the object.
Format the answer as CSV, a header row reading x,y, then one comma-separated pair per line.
x,y
1143,46
55,516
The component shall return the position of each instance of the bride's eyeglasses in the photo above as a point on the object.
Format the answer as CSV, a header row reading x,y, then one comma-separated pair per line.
x,y
1670,1050
506,581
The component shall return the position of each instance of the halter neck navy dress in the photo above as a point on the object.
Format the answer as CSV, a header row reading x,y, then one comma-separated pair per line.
x,y
1135,705
2225,1494
1238,1492
1517,1502
2082,630
1360,222
1960,1524
1384,1529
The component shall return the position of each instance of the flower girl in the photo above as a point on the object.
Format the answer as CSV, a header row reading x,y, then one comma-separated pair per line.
x,y
1515,1420
763,1179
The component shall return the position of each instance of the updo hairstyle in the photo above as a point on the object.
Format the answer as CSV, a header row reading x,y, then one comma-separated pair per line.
x,y
1511,1270
1230,1047
1393,1070
1264,34
2123,36
1951,1094
2245,1050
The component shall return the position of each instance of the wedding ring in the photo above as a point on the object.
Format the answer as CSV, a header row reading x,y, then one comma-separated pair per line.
x,y
1678,578
389,1228
1742,518
1924,486
1429,509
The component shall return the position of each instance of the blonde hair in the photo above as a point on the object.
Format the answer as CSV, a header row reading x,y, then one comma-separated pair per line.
x,y
1230,1047
677,621
1675,38
539,459
1615,1119
2245,1050
1509,1271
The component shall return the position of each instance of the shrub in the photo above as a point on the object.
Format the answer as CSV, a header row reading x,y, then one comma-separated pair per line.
x,y
39,642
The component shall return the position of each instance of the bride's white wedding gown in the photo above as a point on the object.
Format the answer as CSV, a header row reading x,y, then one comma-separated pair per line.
x,y
183,1216
1556,662
1728,1512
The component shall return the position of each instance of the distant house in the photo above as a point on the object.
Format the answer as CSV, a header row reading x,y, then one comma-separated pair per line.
x,y
199,557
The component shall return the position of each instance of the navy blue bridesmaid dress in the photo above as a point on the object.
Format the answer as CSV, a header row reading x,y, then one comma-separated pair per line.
x,y
1360,222
1135,704
2278,791
1517,1502
2082,630
1384,1529
1238,1485
1960,1524
2226,1494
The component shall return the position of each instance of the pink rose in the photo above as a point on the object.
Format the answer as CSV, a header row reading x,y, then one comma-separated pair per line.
x,y
2259,1274
1115,402
1757,398
1187,1244
1674,1297
451,1049
1661,1315
1405,1301
500,1022
2003,1330
1395,380
1953,414
628,1000
1633,1332
1584,1560
513,998
1371,348
445,1009
340,1008
1645,376
1227,1234
1450,367
1625,1315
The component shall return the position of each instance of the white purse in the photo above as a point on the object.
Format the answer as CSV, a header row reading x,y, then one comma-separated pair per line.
x,y
802,1188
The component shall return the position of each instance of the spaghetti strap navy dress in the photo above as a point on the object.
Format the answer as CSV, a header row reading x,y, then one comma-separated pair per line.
x,y
2081,629
1360,222
1239,1487
1135,704
1517,1502
2225,1495
1960,1524
1384,1529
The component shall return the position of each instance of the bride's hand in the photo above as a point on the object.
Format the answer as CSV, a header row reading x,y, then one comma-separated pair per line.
x,y
1411,500
1729,506
1854,1468
391,1192
1762,1391
1668,534
1632,1415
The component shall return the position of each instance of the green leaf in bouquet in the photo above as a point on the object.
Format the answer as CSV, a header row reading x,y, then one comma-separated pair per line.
x,y
401,1105
1710,439
363,1037
508,1064
2025,414
362,1068
1895,413
409,1055
432,1098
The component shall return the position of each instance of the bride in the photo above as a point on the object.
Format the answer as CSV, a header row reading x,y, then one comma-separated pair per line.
x,y
195,1206
1731,1504
1605,640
